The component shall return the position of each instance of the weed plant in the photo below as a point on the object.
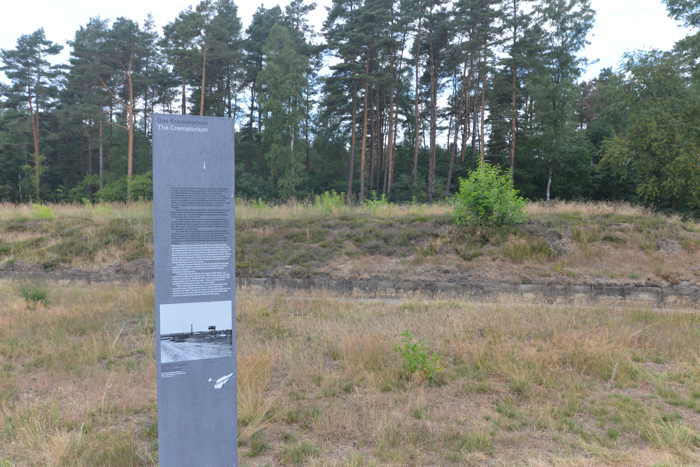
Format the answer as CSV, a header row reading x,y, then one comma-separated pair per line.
x,y
417,359
42,212
376,202
329,201
34,293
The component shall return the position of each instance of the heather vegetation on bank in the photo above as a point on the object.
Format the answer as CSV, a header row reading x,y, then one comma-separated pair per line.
x,y
562,242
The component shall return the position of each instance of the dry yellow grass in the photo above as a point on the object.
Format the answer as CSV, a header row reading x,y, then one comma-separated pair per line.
x,y
589,208
105,212
321,382
300,209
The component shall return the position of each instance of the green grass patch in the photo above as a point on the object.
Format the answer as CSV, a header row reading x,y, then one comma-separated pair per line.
x,y
299,453
34,293
520,250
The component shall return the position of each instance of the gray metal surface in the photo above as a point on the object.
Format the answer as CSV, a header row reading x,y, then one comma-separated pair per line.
x,y
193,229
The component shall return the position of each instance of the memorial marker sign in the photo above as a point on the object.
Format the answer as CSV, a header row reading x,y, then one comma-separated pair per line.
x,y
193,229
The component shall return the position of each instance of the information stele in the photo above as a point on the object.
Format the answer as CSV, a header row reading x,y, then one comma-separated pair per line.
x,y
193,229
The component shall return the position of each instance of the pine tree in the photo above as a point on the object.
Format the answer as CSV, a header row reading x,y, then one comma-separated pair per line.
x,y
437,32
567,23
180,48
342,87
83,99
687,11
126,51
282,84
253,56
517,22
33,88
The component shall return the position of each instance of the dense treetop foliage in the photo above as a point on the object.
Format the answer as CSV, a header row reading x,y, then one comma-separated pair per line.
x,y
394,98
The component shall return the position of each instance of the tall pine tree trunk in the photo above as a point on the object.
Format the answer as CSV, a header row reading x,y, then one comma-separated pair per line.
x,y
89,158
482,149
363,144
466,85
432,163
393,121
514,89
252,107
390,147
416,146
307,112
453,156
183,104
130,133
482,116
101,153
377,143
36,182
513,122
353,131
453,130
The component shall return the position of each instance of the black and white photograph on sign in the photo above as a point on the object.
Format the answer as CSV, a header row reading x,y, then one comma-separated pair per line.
x,y
195,331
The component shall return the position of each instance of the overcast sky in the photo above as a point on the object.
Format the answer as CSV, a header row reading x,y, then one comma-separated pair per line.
x,y
621,25
183,317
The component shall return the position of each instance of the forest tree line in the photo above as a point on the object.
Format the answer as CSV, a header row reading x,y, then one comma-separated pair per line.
x,y
394,98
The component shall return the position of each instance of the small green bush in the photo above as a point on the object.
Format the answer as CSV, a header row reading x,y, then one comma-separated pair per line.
x,y
141,189
43,212
299,453
85,190
113,191
258,445
487,197
375,201
418,358
34,293
260,203
521,250
329,201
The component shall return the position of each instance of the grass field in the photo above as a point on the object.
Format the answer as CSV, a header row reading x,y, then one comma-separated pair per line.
x,y
328,381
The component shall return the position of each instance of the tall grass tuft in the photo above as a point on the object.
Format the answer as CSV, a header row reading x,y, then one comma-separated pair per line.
x,y
34,293
329,201
42,212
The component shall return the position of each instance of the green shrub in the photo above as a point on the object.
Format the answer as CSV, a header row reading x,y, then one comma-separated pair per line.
x,y
102,210
258,445
41,211
141,189
113,191
487,197
85,190
521,250
298,454
329,201
418,358
375,202
260,203
34,293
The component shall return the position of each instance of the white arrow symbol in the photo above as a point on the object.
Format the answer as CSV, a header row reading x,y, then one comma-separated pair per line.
x,y
221,381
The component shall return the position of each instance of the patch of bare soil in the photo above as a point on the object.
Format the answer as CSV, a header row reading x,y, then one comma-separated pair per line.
x,y
139,270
